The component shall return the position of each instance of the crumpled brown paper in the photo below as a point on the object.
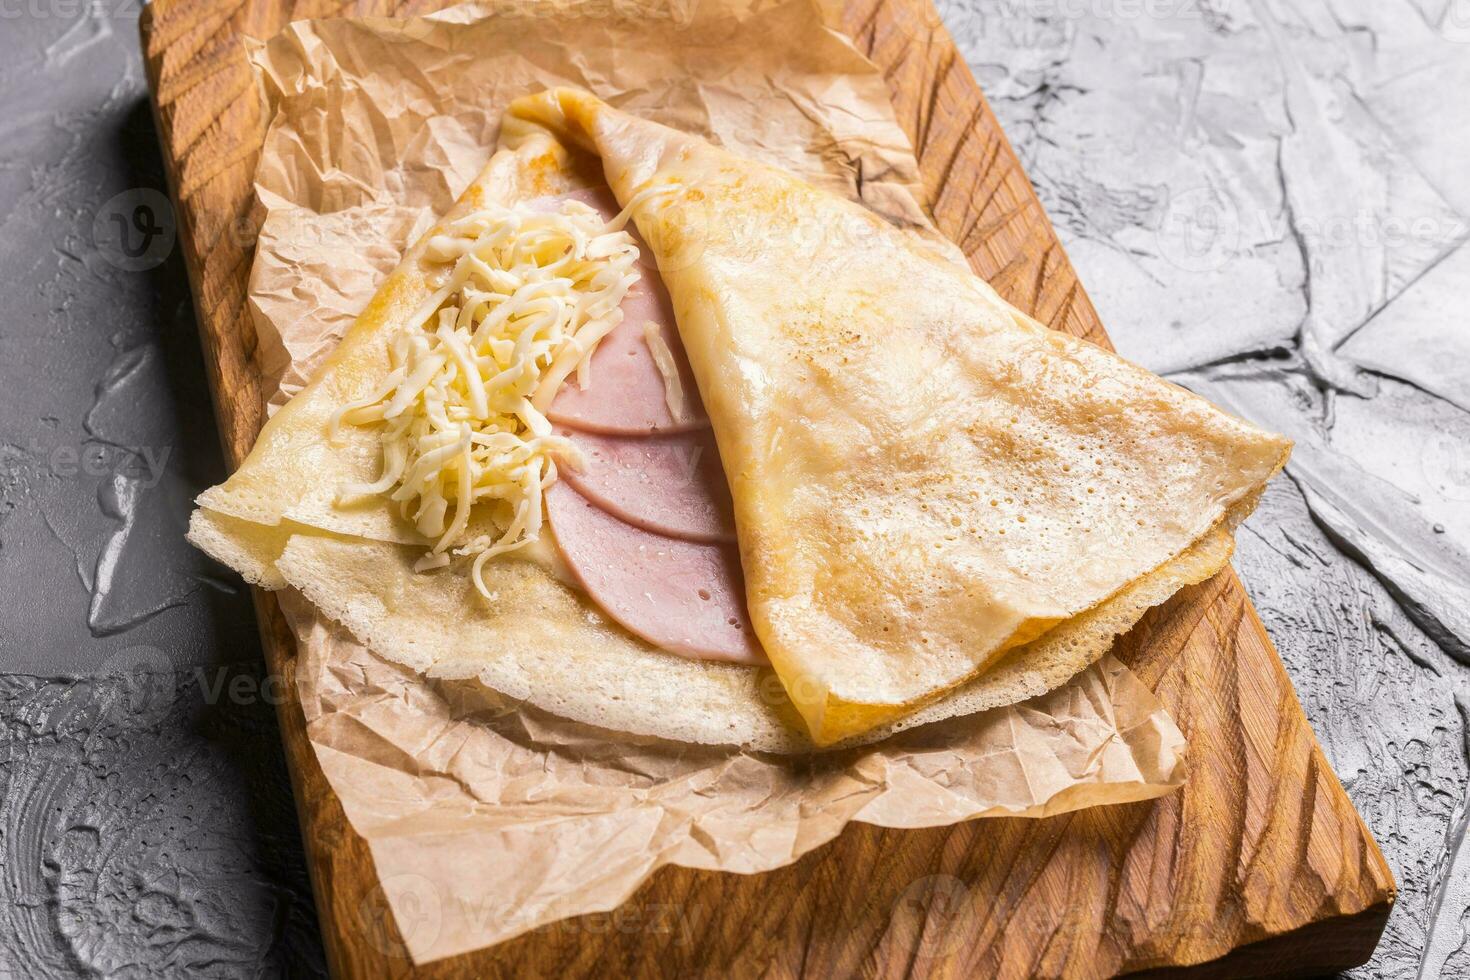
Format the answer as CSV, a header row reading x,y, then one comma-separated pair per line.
x,y
380,124
486,818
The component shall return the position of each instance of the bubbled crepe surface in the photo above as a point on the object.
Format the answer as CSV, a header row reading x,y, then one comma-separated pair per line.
x,y
923,477
276,520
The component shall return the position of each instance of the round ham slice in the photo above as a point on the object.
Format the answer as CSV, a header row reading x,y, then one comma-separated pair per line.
x,y
672,485
685,597
626,394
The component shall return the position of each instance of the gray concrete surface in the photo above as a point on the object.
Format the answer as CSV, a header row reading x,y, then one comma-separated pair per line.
x,y
1267,200
146,823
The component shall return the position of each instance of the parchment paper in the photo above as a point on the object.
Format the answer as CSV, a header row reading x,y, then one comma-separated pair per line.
x,y
486,818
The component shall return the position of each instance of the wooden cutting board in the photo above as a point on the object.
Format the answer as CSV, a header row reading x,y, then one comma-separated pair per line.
x,y
1259,866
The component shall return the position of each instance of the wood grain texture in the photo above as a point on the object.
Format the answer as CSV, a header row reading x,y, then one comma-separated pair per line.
x,y
1260,866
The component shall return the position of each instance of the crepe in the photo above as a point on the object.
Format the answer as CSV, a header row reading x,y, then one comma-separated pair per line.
x,y
867,617
923,476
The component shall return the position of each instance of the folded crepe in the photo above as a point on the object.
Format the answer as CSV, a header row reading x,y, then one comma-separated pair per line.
x,y
940,506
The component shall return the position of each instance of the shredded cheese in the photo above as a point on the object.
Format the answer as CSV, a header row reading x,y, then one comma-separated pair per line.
x,y
461,412
663,359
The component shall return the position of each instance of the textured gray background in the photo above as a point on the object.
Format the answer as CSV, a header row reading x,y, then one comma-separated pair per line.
x,y
1266,200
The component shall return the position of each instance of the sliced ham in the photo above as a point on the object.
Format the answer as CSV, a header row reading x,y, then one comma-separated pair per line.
x,y
626,395
646,526
683,596
672,485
